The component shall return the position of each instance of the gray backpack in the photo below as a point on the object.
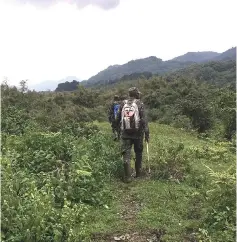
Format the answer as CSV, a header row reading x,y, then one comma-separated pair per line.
x,y
130,118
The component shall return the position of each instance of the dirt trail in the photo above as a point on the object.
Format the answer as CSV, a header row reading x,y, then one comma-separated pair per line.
x,y
130,207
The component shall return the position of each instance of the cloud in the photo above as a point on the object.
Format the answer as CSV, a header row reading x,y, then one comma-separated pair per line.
x,y
104,4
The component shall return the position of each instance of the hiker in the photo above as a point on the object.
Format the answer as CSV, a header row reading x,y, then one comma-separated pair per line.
x,y
112,113
134,125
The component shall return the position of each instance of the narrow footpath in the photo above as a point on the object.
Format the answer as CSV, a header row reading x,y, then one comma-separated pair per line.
x,y
129,214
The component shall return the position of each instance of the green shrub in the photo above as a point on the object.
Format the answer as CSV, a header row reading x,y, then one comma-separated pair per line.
x,y
153,114
172,162
218,153
14,120
30,214
220,215
53,179
182,121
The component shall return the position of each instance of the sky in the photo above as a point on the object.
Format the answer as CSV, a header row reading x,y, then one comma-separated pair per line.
x,y
51,39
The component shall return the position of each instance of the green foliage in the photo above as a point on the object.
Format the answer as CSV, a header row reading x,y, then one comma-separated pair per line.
x,y
50,181
29,212
183,122
14,120
50,111
172,162
220,218
198,111
153,114
219,153
67,86
227,105
215,72
181,102
80,129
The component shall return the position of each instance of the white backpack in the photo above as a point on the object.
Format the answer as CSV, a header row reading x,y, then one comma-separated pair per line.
x,y
130,118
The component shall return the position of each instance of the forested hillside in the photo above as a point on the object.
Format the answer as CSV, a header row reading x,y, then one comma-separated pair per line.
x,y
151,64
219,73
202,66
157,66
206,56
227,55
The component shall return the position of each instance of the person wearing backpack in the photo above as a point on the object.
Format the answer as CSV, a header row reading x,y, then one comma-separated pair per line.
x,y
133,124
113,115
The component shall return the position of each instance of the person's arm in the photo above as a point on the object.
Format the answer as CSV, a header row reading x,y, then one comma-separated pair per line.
x,y
120,113
110,113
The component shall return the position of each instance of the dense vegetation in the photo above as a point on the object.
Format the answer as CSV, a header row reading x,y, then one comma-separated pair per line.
x,y
60,168
49,180
67,86
226,55
184,103
214,72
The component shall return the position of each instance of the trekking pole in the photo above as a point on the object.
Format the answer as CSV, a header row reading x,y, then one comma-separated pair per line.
x,y
148,158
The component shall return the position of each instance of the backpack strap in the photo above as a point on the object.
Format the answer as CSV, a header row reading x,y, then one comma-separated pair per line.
x,y
135,101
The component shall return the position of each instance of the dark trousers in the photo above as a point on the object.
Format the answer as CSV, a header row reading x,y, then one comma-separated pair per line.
x,y
115,129
138,149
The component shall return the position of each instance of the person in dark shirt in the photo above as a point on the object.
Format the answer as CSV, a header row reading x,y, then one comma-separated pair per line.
x,y
112,116
134,125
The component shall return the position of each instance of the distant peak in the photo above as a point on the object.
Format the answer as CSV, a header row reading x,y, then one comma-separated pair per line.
x,y
113,66
153,58
150,58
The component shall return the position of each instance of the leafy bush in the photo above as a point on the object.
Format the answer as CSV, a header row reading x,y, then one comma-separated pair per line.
x,y
220,220
182,121
29,213
229,121
197,178
217,153
53,179
153,114
198,111
172,162
104,156
80,129
14,120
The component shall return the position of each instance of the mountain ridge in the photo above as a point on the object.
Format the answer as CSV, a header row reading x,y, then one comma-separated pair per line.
x,y
151,65
156,65
200,56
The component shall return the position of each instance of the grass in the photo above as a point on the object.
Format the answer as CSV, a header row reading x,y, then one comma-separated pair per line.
x,y
172,208
162,205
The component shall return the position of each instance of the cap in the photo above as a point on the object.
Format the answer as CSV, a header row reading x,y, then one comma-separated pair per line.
x,y
134,90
